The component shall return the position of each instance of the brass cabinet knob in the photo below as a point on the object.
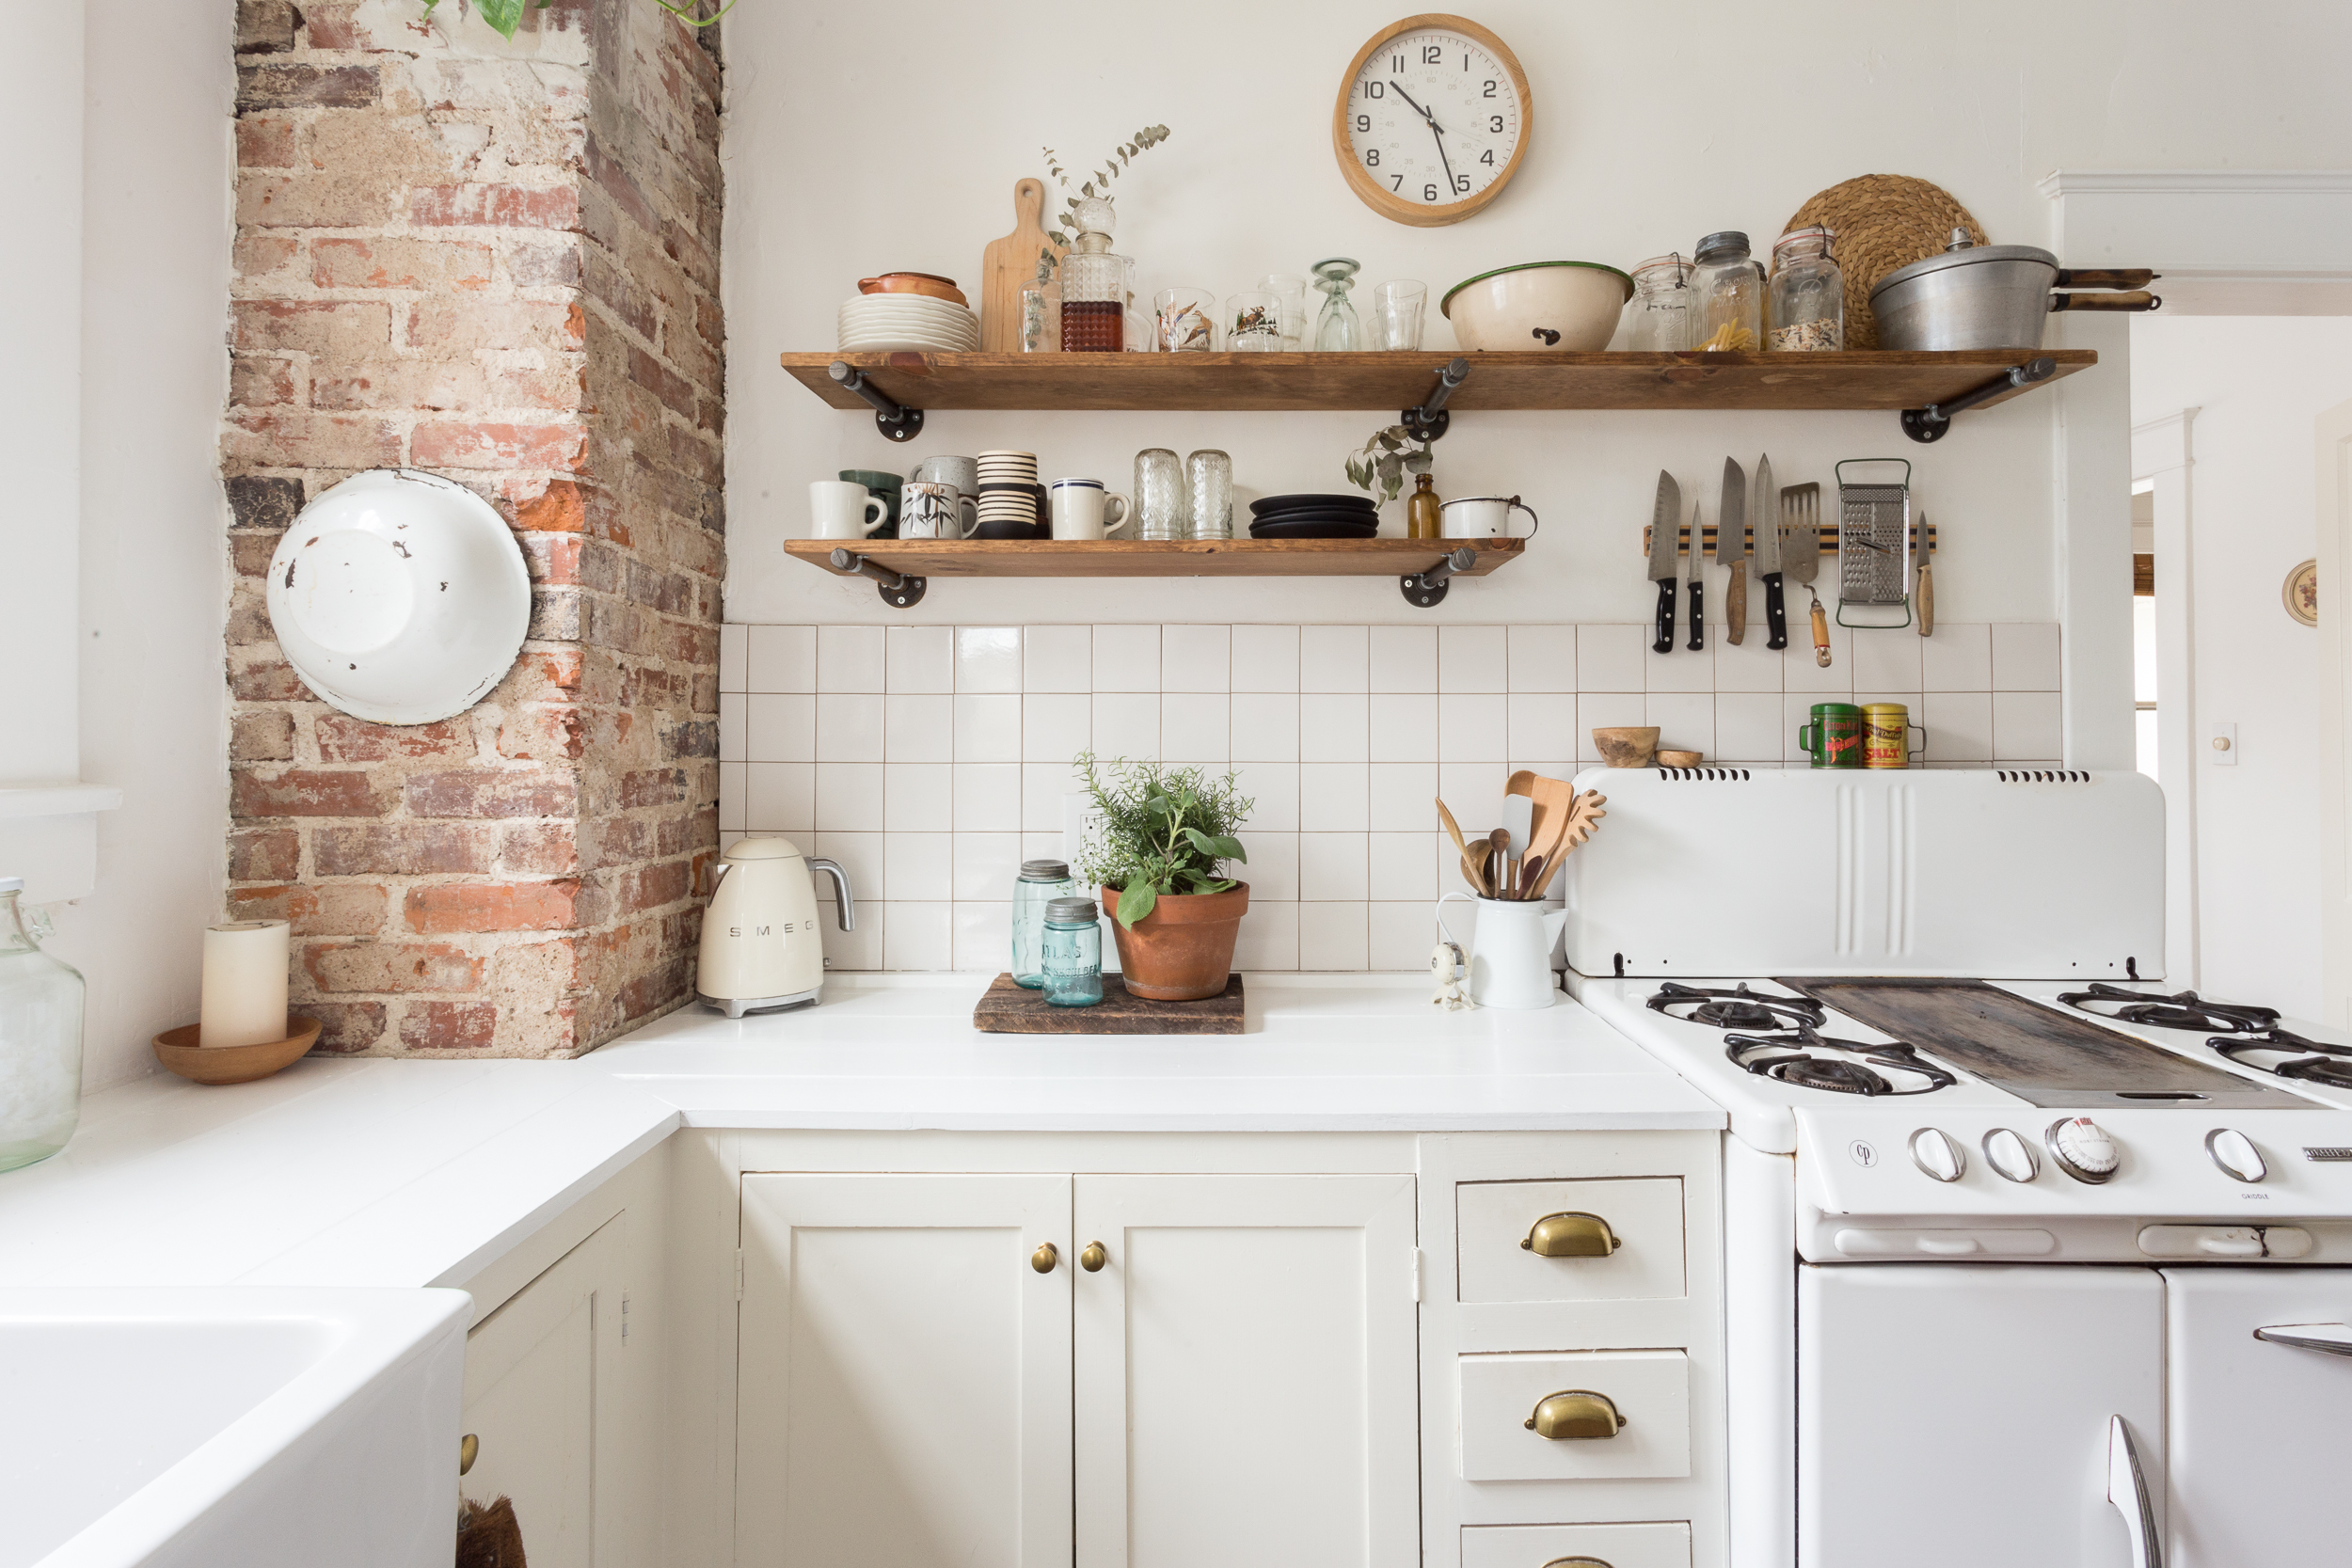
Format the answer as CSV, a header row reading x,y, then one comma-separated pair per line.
x,y
1576,1413
1091,1258
1044,1258
468,1449
1571,1235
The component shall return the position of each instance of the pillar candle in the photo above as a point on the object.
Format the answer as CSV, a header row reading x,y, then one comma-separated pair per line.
x,y
245,984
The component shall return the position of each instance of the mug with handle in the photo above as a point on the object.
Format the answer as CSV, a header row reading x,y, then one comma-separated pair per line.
x,y
1484,518
1084,510
930,511
839,509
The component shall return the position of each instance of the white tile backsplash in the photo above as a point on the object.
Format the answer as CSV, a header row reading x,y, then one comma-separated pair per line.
x,y
930,760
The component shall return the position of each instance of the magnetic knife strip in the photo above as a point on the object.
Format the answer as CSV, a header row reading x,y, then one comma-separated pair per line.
x,y
1829,539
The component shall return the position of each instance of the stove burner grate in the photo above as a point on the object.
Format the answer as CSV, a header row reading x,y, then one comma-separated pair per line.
x,y
1737,1009
1786,1059
2326,1067
2186,1010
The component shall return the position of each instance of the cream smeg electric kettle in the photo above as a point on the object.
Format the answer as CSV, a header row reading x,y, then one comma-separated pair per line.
x,y
760,948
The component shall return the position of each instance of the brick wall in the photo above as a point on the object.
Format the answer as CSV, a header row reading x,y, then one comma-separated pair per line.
x,y
498,262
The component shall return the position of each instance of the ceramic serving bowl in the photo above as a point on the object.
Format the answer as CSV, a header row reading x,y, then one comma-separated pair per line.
x,y
1565,306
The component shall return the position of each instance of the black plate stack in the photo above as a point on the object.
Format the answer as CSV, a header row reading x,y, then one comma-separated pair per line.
x,y
1313,517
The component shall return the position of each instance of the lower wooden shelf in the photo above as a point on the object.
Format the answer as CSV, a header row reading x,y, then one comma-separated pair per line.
x,y
1180,558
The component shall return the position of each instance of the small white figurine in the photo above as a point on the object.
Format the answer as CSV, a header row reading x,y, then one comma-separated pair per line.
x,y
1448,967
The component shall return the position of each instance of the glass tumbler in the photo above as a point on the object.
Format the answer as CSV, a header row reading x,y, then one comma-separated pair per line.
x,y
1041,319
1291,289
1396,311
1253,323
1208,491
1073,954
41,1040
1042,882
1184,321
1161,508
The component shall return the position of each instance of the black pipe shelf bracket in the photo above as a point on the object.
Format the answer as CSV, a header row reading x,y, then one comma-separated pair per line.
x,y
1934,422
1427,588
1428,422
897,589
892,418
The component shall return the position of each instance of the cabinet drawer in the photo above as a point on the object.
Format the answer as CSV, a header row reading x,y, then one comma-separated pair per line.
x,y
1644,1213
1650,1388
1613,1545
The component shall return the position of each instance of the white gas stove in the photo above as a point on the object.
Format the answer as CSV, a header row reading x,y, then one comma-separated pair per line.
x,y
1927,1001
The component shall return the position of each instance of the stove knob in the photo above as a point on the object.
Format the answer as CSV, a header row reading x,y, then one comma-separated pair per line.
x,y
2236,1153
1934,1152
2083,1150
2011,1157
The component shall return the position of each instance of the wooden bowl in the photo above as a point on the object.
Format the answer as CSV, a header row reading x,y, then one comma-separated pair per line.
x,y
1680,759
233,1063
1627,746
929,285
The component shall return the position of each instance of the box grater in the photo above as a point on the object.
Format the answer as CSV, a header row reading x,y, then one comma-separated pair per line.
x,y
1874,535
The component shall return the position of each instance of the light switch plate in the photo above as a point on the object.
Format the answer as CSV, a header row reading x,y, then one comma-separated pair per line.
x,y
2221,745
1080,821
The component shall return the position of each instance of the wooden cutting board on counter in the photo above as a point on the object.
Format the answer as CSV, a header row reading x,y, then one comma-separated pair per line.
x,y
1010,265
1007,1008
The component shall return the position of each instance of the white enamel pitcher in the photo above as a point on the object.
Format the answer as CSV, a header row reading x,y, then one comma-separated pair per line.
x,y
1510,959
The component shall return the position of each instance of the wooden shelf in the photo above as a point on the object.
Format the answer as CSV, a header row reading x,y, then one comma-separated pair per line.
x,y
1306,381
1181,558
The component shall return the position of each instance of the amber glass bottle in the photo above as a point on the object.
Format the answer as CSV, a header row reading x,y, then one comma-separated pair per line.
x,y
1420,509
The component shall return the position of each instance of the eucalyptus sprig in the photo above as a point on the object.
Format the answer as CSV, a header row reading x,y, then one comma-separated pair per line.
x,y
507,15
1164,830
1385,459
1065,228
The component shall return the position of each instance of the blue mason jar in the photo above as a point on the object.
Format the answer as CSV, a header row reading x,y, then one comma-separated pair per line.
x,y
1040,883
1073,954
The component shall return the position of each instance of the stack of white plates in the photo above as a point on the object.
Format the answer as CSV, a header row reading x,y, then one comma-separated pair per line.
x,y
897,324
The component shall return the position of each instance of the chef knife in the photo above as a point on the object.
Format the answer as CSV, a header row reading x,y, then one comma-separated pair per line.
x,y
1764,519
1698,582
1731,550
1664,519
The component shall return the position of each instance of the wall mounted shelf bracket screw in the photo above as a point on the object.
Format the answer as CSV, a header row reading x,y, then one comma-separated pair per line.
x,y
892,418
1426,589
896,588
1931,422
1429,420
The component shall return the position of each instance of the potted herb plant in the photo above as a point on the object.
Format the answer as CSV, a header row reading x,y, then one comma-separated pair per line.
x,y
1155,856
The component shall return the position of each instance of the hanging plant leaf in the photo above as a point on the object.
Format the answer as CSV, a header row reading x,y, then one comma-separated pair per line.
x,y
504,15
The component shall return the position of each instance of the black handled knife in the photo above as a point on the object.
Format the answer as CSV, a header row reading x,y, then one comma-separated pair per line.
x,y
1698,583
1665,519
1768,556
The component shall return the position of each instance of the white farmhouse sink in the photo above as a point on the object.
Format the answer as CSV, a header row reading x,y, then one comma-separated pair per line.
x,y
205,1428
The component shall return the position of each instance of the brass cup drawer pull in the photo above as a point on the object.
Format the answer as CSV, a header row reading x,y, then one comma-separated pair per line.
x,y
1091,1258
1576,1413
1573,1234
1044,1258
468,1449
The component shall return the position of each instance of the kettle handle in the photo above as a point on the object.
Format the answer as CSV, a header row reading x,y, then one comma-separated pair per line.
x,y
844,903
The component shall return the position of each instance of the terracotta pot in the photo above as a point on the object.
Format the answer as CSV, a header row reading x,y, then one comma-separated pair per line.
x,y
1183,949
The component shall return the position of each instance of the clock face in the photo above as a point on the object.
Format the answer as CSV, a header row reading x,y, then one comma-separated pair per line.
x,y
1434,120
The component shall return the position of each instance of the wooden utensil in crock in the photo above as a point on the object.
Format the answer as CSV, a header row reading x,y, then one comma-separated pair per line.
x,y
233,1063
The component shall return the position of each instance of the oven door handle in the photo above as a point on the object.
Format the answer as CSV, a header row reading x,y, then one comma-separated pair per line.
x,y
2127,1489
2326,1338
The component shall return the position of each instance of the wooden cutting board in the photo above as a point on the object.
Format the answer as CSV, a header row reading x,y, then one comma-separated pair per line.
x,y
1008,266
1007,1008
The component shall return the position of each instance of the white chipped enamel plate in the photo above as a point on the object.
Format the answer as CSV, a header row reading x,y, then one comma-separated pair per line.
x,y
399,596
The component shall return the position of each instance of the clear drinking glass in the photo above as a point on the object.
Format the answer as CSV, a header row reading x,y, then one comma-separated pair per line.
x,y
1662,298
1253,323
1073,954
1208,491
1397,312
1807,303
1729,311
1160,506
1184,321
1041,319
1337,330
41,1040
1291,289
1042,882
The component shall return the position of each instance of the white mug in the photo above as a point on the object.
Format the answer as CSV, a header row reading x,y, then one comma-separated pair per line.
x,y
1483,517
1510,963
1084,510
841,510
930,511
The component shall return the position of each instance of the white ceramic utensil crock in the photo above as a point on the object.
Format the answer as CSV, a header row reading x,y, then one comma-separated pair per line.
x,y
1510,963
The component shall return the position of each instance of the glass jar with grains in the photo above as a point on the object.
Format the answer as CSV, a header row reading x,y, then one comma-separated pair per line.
x,y
1807,303
1728,313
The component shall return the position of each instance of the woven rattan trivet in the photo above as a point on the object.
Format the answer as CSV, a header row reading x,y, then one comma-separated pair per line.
x,y
1882,222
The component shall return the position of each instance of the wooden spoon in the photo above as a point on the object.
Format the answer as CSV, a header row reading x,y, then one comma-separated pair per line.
x,y
1474,867
1447,817
1499,862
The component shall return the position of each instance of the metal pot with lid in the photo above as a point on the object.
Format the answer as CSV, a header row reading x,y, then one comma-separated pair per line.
x,y
1983,296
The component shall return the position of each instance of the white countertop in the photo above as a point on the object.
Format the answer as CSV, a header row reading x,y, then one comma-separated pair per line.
x,y
376,1172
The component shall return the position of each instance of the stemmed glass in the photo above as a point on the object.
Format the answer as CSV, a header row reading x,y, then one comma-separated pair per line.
x,y
1337,330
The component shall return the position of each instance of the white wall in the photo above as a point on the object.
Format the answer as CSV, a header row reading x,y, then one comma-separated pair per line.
x,y
157,166
2257,383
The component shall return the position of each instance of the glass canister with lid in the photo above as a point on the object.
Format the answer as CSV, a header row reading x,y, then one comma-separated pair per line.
x,y
1662,300
1728,312
1095,285
1808,300
1042,882
1073,954
41,1039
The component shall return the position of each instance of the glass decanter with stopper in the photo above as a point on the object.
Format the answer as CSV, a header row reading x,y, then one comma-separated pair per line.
x,y
1337,330
1095,284
41,1039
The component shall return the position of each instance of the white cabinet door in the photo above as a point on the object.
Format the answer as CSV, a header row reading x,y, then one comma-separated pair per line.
x,y
1245,1367
533,1369
2261,1431
1955,1415
904,1386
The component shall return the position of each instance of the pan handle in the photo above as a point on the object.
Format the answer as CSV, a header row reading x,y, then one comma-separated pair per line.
x,y
2140,299
2106,278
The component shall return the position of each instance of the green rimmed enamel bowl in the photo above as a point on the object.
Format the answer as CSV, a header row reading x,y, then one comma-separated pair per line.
x,y
1562,307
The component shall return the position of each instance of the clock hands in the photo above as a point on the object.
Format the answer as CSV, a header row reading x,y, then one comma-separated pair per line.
x,y
1417,108
1435,131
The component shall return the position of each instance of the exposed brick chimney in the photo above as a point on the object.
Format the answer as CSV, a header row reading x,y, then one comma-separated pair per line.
x,y
498,262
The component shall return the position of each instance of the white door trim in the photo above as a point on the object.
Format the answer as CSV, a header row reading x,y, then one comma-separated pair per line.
x,y
2332,494
2162,453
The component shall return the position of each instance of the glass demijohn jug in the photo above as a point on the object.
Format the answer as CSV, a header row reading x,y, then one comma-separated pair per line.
x,y
41,1040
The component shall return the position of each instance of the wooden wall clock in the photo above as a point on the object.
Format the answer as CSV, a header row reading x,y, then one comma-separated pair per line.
x,y
1433,120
